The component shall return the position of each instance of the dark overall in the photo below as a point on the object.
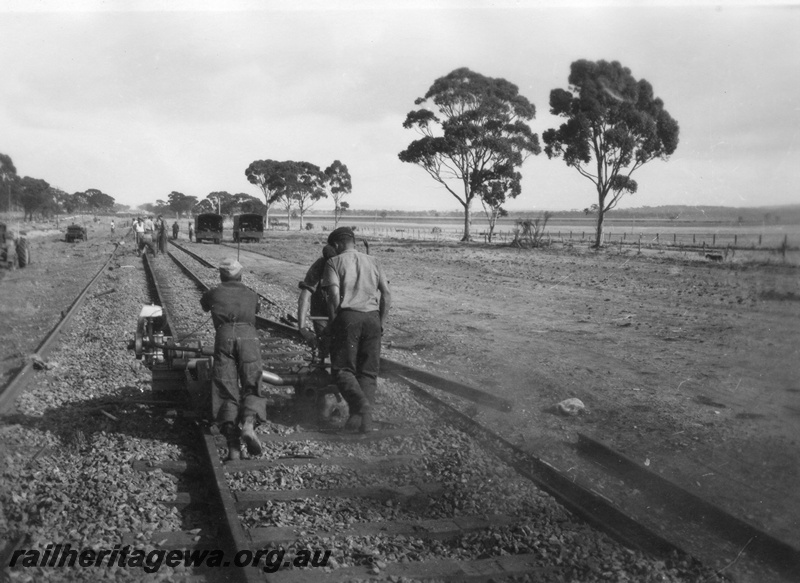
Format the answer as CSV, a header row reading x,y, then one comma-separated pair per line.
x,y
237,359
318,305
237,353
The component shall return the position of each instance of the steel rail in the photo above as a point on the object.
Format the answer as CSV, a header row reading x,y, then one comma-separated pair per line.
x,y
759,543
590,507
224,501
593,508
239,540
387,365
18,382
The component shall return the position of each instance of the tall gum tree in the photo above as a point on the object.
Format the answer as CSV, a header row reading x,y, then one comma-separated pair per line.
x,y
8,174
268,176
338,184
305,186
479,135
614,126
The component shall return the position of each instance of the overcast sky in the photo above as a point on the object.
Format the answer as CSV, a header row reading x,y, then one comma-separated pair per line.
x,y
142,102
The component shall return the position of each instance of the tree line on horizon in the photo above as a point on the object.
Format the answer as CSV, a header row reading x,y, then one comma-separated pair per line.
x,y
474,138
478,137
293,186
37,197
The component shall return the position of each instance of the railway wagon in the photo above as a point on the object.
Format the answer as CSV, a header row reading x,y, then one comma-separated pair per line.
x,y
208,227
248,227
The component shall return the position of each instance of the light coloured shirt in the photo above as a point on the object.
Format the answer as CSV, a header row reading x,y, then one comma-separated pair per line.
x,y
357,276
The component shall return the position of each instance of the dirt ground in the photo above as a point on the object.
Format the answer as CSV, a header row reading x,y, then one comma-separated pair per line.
x,y
688,366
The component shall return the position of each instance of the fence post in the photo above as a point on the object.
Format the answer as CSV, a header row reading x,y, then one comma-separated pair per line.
x,y
714,240
694,240
674,238
735,238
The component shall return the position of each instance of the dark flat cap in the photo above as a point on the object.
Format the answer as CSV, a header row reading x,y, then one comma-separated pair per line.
x,y
340,233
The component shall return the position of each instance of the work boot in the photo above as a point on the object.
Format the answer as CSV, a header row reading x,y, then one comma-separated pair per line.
x,y
353,422
366,418
250,438
231,433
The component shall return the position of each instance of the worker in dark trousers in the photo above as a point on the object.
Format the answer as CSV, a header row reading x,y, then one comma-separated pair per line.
x,y
161,234
312,302
358,304
237,360
175,229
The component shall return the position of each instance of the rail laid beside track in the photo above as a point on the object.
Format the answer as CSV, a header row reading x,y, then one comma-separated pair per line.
x,y
687,517
430,495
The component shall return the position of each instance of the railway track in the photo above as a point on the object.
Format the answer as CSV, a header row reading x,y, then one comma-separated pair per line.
x,y
587,505
687,519
418,499
18,381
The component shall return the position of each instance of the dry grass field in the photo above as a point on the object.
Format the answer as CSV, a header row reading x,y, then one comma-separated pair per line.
x,y
689,365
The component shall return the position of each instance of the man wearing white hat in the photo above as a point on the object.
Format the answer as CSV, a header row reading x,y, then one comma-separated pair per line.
x,y
237,359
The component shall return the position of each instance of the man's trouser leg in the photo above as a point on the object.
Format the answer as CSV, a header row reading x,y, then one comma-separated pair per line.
x,y
369,355
248,347
253,409
348,334
225,380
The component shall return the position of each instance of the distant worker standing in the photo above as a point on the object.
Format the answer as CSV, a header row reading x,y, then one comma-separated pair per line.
x,y
112,226
147,241
175,229
359,300
138,231
237,359
312,299
191,231
161,233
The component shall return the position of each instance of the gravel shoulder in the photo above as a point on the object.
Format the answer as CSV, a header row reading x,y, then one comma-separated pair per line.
x,y
688,365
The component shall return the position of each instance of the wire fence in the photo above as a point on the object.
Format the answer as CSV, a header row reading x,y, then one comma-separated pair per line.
x,y
707,240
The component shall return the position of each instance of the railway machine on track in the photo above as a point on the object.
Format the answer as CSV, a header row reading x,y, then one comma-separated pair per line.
x,y
183,370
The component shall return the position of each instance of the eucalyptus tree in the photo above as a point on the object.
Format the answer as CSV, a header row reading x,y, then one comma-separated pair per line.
x,y
99,200
304,186
494,195
8,175
224,202
338,184
35,194
268,176
180,203
246,203
614,125
480,134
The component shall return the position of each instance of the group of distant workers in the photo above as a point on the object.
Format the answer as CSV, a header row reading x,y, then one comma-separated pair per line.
x,y
347,298
151,235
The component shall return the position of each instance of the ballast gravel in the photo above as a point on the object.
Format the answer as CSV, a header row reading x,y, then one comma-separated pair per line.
x,y
68,451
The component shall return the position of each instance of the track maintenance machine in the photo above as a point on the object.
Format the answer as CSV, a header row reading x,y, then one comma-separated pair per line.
x,y
183,370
